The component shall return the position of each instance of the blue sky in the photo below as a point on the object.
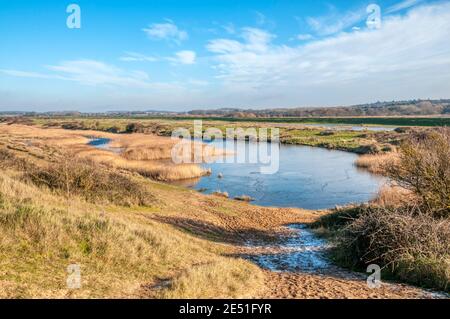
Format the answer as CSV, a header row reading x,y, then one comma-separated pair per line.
x,y
185,54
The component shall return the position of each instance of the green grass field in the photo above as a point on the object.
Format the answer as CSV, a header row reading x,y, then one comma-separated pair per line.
x,y
391,121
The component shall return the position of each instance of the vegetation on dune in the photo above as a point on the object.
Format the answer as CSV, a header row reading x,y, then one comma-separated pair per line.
x,y
408,236
121,255
40,235
56,211
83,177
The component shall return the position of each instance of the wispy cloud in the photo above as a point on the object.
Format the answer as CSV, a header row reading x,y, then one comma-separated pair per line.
x,y
180,57
26,74
166,31
183,57
93,73
408,54
304,37
335,22
402,5
229,28
137,57
255,40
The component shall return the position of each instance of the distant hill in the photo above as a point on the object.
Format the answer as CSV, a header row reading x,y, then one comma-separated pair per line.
x,y
394,108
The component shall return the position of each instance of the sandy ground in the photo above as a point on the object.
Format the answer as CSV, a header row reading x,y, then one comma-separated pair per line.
x,y
340,285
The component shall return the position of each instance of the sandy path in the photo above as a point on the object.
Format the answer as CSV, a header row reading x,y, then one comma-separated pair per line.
x,y
298,267
335,286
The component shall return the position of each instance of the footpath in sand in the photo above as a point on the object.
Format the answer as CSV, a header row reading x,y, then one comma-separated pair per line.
x,y
298,267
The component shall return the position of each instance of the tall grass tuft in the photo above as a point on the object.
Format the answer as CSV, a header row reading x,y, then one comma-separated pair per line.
x,y
91,180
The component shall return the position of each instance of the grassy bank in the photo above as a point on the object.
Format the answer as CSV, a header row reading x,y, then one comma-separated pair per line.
x,y
154,240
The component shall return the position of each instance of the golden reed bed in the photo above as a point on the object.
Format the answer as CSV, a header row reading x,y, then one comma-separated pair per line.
x,y
148,155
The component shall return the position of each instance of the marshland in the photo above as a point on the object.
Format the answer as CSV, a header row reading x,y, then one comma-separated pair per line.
x,y
103,194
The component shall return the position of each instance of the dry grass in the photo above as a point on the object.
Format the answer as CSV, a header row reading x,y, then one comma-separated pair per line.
x,y
377,163
190,284
40,235
140,152
394,196
123,251
39,239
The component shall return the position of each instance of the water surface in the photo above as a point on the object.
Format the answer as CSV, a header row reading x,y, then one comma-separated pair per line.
x,y
308,177
301,251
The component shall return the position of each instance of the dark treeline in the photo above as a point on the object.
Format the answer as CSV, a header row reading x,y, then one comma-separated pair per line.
x,y
394,108
399,108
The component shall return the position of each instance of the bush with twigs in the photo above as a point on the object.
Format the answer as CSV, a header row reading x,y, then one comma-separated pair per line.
x,y
405,241
411,240
424,168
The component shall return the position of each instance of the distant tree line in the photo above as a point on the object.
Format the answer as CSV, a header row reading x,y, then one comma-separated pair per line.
x,y
394,108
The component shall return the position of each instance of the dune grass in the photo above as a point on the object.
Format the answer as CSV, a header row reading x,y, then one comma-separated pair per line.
x,y
168,242
377,163
42,233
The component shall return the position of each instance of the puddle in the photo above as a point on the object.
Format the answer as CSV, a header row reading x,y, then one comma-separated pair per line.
x,y
301,251
103,144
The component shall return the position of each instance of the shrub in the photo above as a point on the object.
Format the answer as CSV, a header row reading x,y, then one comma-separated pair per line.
x,y
134,128
94,182
404,241
424,168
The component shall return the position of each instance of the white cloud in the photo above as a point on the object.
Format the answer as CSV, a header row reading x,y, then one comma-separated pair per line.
x,y
196,82
402,5
409,55
224,46
229,28
335,22
94,73
304,37
26,74
166,31
184,57
255,40
137,57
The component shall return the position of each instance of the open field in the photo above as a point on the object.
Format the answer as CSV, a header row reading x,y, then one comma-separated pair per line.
x,y
152,247
389,121
361,142
395,121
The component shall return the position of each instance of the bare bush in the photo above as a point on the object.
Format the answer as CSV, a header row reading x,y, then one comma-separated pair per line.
x,y
424,168
405,241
